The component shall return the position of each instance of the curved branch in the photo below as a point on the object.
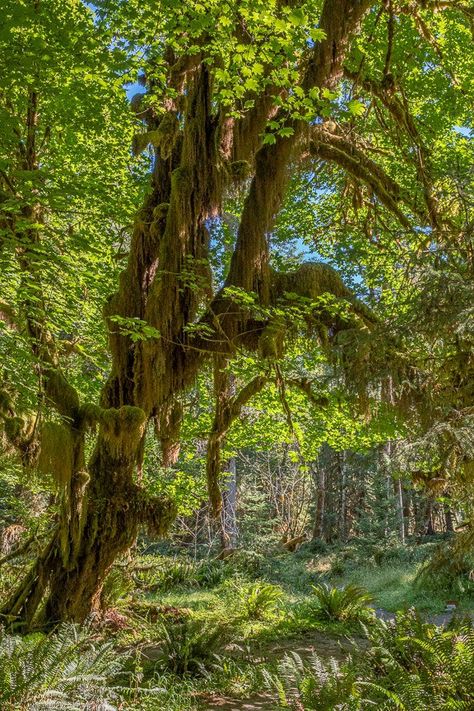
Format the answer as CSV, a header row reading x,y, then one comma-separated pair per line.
x,y
337,149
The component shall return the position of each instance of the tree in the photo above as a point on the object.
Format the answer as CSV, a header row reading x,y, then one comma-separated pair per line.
x,y
239,96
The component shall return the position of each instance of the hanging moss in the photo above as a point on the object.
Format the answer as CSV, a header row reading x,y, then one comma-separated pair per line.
x,y
140,141
6,403
158,513
312,280
164,137
271,341
89,414
123,429
56,452
13,427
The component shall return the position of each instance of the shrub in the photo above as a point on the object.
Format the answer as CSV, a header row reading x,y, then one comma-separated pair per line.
x,y
346,604
311,684
248,563
165,573
118,586
65,670
450,567
258,600
190,646
210,573
408,665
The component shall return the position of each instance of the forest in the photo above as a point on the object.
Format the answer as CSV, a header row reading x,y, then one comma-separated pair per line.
x,y
236,355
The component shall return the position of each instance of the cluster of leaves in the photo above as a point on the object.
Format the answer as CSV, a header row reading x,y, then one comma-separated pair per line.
x,y
67,670
190,646
345,604
408,665
73,164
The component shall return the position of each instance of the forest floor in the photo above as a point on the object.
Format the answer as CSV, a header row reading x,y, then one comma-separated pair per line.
x,y
211,635
264,637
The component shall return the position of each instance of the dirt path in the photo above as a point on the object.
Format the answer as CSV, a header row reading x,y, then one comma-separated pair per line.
x,y
325,646
258,702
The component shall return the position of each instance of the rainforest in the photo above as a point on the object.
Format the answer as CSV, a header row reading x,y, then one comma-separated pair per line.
x,y
236,355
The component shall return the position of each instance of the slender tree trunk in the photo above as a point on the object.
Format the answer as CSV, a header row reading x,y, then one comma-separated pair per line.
x,y
400,509
342,471
229,509
448,519
320,511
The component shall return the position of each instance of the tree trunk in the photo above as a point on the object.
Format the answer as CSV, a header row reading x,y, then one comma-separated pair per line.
x,y
165,282
229,508
342,472
320,512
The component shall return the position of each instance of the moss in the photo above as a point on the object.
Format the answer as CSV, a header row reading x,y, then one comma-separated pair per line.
x,y
239,170
123,429
180,179
6,403
89,414
14,427
140,141
312,280
271,341
62,394
158,513
160,211
136,103
56,452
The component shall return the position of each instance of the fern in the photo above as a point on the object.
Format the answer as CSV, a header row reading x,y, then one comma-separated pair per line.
x,y
68,670
347,604
408,665
258,600
190,647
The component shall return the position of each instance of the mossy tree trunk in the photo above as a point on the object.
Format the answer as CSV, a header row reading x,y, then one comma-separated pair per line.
x,y
165,282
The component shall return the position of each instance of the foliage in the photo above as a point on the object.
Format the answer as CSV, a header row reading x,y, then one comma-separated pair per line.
x,y
346,604
408,665
311,684
450,568
190,646
257,600
69,669
118,585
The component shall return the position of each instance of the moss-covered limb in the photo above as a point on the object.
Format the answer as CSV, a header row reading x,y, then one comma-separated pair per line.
x,y
336,149
167,429
439,5
387,93
305,385
249,265
314,279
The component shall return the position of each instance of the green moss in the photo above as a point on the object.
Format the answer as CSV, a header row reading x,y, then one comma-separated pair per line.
x,y
123,429
89,414
56,452
239,170
160,211
13,427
